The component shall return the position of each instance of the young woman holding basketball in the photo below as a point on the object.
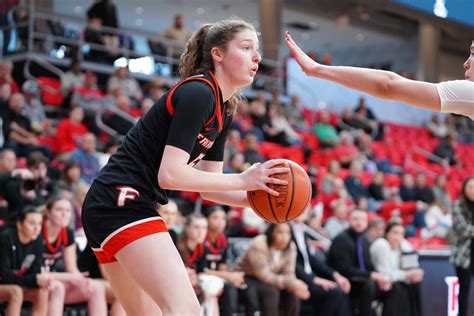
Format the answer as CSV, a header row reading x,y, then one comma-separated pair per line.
x,y
189,124
451,96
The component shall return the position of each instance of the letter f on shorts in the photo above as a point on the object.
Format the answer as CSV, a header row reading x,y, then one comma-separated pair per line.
x,y
126,193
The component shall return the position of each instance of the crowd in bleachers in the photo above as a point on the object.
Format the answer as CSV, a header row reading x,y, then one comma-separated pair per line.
x,y
375,200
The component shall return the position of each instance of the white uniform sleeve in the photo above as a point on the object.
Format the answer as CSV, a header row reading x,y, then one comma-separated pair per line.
x,y
457,97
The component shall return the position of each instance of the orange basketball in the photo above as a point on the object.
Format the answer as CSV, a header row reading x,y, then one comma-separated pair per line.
x,y
292,201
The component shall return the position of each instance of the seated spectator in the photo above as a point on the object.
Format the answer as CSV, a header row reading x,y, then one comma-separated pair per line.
x,y
353,184
88,263
276,128
269,266
439,191
7,160
85,155
214,260
451,126
110,148
334,168
236,164
348,121
339,196
337,223
179,35
345,151
367,117
6,78
395,207
327,134
436,127
120,123
424,192
372,164
446,149
243,122
33,107
376,188
250,149
35,191
438,220
60,261
407,188
349,255
232,145
127,85
20,264
375,229
169,212
69,131
73,78
95,35
295,116
17,129
404,298
328,288
70,177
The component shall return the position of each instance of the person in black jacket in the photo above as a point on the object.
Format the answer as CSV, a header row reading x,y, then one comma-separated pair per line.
x,y
349,255
20,261
328,287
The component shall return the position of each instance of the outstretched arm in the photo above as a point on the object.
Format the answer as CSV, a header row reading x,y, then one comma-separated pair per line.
x,y
379,83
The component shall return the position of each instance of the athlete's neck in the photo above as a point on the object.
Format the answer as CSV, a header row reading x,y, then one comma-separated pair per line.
x,y
53,230
227,88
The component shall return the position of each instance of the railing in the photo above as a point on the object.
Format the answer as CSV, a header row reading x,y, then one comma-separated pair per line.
x,y
409,161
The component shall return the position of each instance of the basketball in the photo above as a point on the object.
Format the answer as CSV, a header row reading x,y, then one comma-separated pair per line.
x,y
292,201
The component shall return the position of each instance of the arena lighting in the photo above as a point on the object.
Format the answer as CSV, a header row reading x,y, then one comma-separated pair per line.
x,y
440,9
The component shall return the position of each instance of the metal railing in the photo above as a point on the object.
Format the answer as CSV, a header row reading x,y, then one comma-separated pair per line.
x,y
409,161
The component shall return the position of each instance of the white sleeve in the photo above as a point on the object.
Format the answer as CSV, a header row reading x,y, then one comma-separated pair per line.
x,y
457,97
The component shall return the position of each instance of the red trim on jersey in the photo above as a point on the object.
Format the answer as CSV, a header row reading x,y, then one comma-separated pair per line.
x,y
127,236
215,90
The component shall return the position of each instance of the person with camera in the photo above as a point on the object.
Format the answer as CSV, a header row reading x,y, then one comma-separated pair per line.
x,y
32,190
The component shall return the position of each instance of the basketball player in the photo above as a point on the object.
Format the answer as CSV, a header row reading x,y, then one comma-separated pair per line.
x,y
189,124
450,96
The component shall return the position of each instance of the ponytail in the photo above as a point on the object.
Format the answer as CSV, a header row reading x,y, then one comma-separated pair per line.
x,y
192,59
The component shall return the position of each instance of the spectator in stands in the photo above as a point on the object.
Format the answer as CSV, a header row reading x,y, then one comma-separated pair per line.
x,y
339,196
71,176
349,255
236,163
326,133
328,287
276,128
110,148
438,221
33,108
69,131
334,168
436,127
72,78
377,189
338,222
404,298
232,145
7,160
451,126
367,118
120,123
364,144
60,261
407,188
106,11
375,229
36,191
17,129
294,114
20,263
179,35
6,68
424,192
127,85
345,150
85,155
214,260
257,111
446,149
250,149
439,191
462,254
94,34
348,121
353,183
269,266
169,212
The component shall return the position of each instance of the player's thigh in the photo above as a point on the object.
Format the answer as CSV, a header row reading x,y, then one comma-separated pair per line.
x,y
130,295
155,264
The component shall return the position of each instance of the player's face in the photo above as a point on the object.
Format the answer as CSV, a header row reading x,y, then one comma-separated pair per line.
x,y
30,228
281,236
217,221
60,213
469,65
240,60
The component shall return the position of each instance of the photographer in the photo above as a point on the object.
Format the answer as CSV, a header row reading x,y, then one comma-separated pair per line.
x,y
34,190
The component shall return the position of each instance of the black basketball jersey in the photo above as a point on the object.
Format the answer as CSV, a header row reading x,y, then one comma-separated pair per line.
x,y
191,116
212,254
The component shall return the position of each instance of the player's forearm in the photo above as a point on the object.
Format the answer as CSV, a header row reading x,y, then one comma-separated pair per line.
x,y
186,178
233,198
371,81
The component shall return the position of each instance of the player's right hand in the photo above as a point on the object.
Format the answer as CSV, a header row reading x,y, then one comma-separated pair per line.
x,y
257,177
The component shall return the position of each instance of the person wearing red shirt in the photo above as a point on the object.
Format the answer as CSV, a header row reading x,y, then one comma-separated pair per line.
x,y
69,130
